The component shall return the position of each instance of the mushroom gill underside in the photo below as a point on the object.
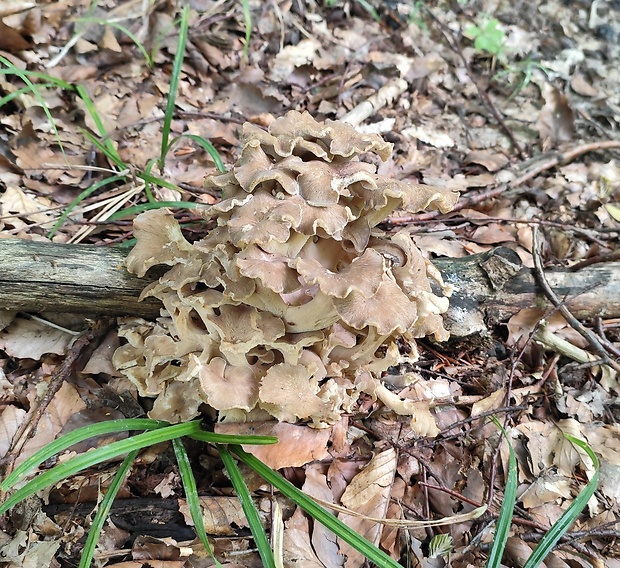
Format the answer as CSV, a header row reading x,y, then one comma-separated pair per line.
x,y
290,307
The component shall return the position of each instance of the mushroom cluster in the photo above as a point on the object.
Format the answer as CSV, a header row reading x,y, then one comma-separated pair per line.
x,y
290,307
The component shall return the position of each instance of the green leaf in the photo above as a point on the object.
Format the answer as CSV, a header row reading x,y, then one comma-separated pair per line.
x,y
177,65
136,209
104,509
105,150
251,514
191,494
81,197
208,147
23,75
121,28
488,37
440,545
238,439
107,145
247,16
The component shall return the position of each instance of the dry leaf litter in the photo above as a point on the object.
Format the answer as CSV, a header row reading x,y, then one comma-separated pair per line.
x,y
329,60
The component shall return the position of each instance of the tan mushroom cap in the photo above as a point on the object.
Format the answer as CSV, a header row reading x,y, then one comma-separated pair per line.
x,y
293,302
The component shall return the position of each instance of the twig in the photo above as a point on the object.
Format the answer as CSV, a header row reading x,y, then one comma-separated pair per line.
x,y
386,94
461,497
562,158
598,322
586,333
612,256
504,409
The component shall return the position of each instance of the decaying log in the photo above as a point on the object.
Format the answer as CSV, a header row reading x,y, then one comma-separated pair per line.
x,y
488,287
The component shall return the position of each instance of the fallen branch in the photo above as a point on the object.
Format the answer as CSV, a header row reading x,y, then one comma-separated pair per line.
x,y
488,287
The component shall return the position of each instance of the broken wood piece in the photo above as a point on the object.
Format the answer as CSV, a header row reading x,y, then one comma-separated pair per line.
x,y
488,287
386,94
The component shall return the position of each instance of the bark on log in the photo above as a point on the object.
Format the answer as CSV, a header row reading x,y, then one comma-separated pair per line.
x,y
488,287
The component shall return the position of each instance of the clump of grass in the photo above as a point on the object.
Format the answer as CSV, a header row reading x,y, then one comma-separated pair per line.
x,y
559,528
122,173
156,432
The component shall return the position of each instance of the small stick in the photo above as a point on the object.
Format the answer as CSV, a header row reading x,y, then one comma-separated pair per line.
x,y
386,94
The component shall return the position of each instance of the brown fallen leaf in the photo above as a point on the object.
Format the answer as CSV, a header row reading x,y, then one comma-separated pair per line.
x,y
492,161
11,40
298,445
297,549
581,86
26,338
66,403
556,120
219,514
324,541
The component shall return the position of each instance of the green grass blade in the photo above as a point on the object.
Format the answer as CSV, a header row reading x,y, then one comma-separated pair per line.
x,y
81,197
191,494
505,515
12,70
23,75
370,9
75,437
122,29
99,455
569,516
247,17
251,514
107,143
335,525
105,150
104,509
238,439
8,98
174,85
136,209
208,147
148,177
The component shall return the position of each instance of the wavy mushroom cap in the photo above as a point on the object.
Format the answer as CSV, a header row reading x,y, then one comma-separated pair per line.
x,y
291,305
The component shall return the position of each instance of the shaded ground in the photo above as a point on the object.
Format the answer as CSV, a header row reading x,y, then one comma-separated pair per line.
x,y
515,105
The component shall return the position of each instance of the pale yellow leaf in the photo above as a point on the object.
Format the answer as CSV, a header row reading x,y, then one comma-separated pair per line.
x,y
10,421
219,514
369,494
613,210
26,338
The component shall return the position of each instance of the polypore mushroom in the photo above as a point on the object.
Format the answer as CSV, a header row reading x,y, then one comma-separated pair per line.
x,y
292,304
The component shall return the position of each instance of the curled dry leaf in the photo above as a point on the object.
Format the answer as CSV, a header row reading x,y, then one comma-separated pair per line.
x,y
292,304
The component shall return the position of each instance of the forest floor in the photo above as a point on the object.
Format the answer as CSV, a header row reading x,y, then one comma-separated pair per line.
x,y
516,105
